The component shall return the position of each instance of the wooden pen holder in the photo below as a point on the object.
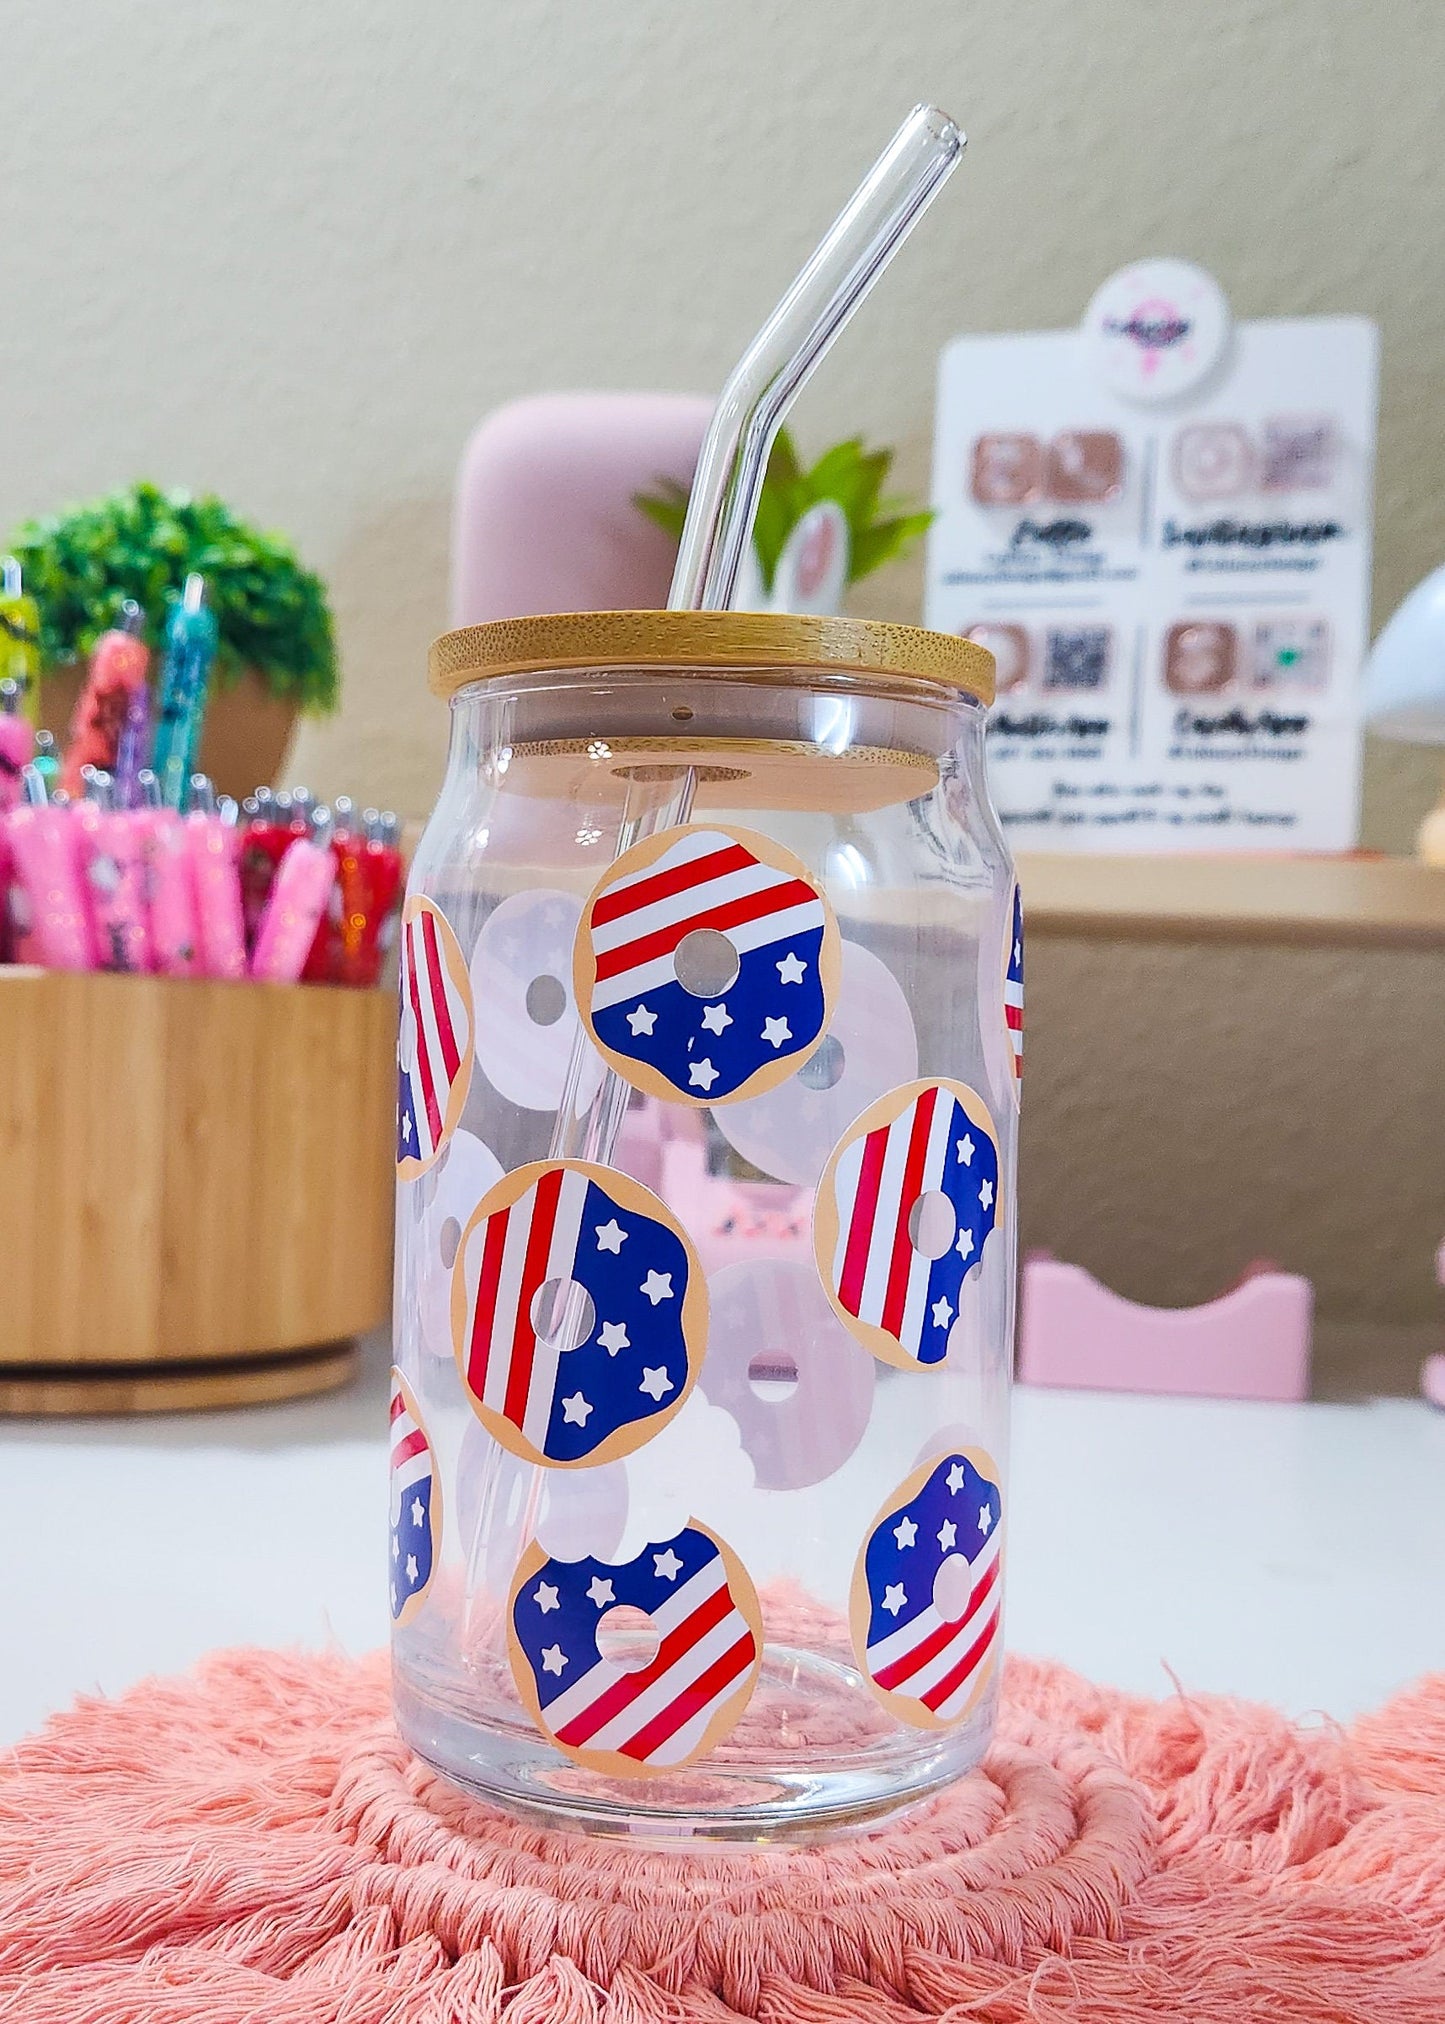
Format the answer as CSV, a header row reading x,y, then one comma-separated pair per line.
x,y
196,1186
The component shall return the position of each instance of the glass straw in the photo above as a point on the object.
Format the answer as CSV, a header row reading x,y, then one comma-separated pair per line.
x,y
731,466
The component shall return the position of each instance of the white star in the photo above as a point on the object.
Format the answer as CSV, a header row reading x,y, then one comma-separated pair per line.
x,y
701,1074
406,1127
553,1659
395,1547
947,1534
411,1567
655,1382
600,1591
418,1511
612,1335
965,1150
894,1597
792,969
942,1312
575,1410
667,1565
985,1517
964,1246
955,1478
545,1597
657,1286
715,1017
905,1532
1018,952
641,1021
611,1236
985,1194
776,1031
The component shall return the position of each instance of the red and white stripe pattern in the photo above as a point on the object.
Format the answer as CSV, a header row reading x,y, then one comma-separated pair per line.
x,y
1013,983
509,1257
939,1663
878,1273
411,1461
705,880
436,1033
660,1714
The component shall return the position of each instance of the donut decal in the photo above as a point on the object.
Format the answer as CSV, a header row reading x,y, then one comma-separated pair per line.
x,y
637,1701
706,965
416,1505
926,1604
905,1206
522,973
1013,984
434,1038
797,1386
579,1313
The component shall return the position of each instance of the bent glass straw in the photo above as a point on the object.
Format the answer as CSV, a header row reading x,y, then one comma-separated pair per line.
x,y
731,466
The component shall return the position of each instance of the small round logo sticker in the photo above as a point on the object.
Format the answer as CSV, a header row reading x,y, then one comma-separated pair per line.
x,y
1157,329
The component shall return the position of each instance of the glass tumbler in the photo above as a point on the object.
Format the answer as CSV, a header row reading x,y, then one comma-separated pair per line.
x,y
711,1034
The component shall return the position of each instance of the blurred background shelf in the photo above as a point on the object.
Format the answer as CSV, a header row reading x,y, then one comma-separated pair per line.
x,y
1232,1058
1318,901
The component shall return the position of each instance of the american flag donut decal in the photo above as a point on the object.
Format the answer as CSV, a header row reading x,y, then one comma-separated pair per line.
x,y
416,1505
926,1603
1013,984
434,1038
648,1718
906,1203
579,1313
706,1029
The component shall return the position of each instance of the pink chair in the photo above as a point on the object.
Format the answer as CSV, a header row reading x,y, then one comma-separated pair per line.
x,y
1253,1342
543,518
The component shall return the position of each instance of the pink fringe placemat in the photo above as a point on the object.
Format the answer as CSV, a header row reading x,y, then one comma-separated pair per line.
x,y
253,1843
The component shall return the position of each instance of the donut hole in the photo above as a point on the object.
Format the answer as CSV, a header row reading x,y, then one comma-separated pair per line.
x,y
932,1224
562,1313
705,963
448,1240
824,1066
627,1638
545,1000
952,1587
773,1375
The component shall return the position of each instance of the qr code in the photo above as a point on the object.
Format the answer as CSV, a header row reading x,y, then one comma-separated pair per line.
x,y
1299,453
1076,657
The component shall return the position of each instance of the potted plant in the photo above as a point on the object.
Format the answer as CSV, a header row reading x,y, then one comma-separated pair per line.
x,y
816,531
277,653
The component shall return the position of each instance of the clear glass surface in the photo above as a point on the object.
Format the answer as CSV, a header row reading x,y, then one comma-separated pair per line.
x,y
797,1440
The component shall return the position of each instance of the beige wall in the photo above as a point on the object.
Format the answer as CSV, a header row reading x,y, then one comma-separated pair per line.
x,y
293,251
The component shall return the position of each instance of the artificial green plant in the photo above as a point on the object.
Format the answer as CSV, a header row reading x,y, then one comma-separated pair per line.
x,y
879,527
142,543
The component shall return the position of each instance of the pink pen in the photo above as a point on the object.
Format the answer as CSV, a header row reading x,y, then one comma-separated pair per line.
x,y
48,906
298,897
112,855
214,843
17,743
171,882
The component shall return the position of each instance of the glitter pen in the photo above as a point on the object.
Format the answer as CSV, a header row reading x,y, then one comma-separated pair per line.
x,y
50,905
17,743
118,667
214,843
298,897
20,637
191,641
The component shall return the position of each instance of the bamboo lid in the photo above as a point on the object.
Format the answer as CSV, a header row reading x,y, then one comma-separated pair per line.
x,y
710,640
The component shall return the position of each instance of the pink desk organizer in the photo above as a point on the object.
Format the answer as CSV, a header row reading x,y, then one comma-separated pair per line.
x,y
1253,1342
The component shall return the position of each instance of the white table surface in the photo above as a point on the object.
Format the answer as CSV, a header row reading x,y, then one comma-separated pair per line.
x,y
1294,1554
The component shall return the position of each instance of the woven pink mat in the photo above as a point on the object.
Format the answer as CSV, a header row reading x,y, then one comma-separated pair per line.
x,y
253,1843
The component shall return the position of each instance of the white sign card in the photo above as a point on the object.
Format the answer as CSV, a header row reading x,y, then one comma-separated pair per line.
x,y
1160,527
